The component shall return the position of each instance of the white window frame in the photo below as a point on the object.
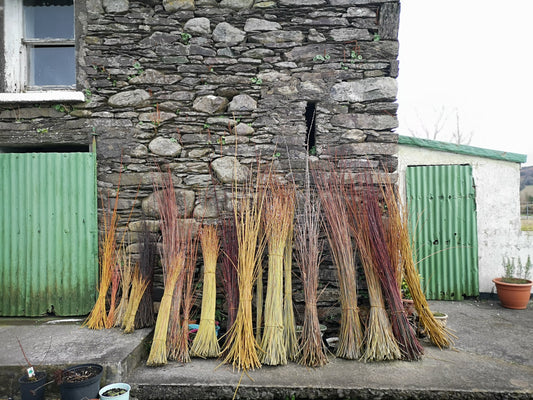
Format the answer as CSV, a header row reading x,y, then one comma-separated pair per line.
x,y
16,64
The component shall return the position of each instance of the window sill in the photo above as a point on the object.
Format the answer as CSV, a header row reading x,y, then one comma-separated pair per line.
x,y
63,96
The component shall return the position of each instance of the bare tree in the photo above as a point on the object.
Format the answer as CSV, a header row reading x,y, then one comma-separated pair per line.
x,y
441,128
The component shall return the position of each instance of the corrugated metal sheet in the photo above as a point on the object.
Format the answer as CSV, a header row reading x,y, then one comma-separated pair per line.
x,y
48,233
442,209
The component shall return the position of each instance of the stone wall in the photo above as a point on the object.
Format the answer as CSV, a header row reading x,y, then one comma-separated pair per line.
x,y
186,84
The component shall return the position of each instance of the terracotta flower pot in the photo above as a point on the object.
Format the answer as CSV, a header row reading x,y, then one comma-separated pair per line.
x,y
513,295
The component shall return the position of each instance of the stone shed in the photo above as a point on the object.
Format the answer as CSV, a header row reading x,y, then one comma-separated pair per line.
x,y
464,209
142,86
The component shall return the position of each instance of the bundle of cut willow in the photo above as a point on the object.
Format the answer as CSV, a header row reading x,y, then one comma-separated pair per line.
x,y
228,268
138,286
399,232
241,346
115,284
173,263
289,325
145,316
332,197
380,343
205,343
126,274
178,338
308,253
97,319
277,225
387,273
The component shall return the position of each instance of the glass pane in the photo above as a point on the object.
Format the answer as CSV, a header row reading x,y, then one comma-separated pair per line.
x,y
52,66
45,19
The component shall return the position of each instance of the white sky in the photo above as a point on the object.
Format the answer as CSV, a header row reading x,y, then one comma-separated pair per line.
x,y
473,56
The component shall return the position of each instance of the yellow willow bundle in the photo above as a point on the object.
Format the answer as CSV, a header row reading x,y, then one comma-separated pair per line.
x,y
158,351
438,334
289,326
126,272
97,319
138,286
241,347
205,343
277,214
259,291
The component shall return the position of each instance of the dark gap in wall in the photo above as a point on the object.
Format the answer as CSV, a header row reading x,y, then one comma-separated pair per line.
x,y
310,122
67,148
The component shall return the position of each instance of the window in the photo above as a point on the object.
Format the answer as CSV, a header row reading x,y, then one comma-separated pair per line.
x,y
40,51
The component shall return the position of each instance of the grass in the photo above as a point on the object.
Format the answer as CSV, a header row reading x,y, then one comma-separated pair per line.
x,y
527,224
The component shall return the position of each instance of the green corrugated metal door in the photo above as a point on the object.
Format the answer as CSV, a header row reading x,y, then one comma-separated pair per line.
x,y
442,209
48,233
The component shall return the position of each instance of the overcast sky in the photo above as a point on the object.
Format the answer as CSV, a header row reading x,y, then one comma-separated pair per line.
x,y
471,57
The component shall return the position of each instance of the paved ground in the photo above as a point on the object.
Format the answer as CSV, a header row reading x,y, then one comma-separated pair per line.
x,y
492,358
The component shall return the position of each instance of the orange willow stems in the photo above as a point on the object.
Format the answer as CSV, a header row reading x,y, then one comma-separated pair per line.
x,y
115,283
97,319
138,286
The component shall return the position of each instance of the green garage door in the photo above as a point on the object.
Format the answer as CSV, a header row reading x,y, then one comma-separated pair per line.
x,y
48,233
442,210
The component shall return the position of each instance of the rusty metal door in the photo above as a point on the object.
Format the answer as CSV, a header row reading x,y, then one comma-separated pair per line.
x,y
48,233
442,215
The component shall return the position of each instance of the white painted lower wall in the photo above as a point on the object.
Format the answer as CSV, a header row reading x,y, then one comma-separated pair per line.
x,y
497,202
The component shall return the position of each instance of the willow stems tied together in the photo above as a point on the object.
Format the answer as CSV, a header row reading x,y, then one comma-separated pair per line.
x,y
277,215
399,233
332,197
97,319
205,343
126,275
308,254
173,263
387,272
228,268
289,325
241,348
145,316
380,343
138,286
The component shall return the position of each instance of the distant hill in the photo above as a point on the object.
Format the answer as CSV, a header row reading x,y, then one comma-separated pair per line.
x,y
526,177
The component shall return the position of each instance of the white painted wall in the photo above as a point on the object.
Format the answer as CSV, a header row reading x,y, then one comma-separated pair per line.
x,y
497,202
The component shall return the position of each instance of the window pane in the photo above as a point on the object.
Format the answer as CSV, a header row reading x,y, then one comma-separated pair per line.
x,y
52,66
44,19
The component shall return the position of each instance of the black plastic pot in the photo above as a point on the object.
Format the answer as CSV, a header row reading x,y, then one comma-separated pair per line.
x,y
37,386
81,388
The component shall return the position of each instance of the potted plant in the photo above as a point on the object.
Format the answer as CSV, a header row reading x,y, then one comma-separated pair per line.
x,y
80,381
115,391
514,287
32,383
407,300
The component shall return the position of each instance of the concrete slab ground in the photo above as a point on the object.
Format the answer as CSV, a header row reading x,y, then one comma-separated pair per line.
x,y
492,359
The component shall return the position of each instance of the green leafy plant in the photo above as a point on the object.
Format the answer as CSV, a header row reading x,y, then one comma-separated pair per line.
x,y
516,272
42,130
376,38
185,37
256,80
88,94
60,108
322,58
355,56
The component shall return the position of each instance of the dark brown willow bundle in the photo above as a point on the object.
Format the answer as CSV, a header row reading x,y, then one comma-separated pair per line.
x,y
405,336
398,228
308,255
145,316
228,267
332,194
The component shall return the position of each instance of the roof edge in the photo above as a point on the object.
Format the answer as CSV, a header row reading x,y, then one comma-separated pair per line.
x,y
462,149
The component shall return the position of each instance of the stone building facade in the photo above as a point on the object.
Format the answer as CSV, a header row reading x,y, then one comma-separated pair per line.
x,y
187,84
